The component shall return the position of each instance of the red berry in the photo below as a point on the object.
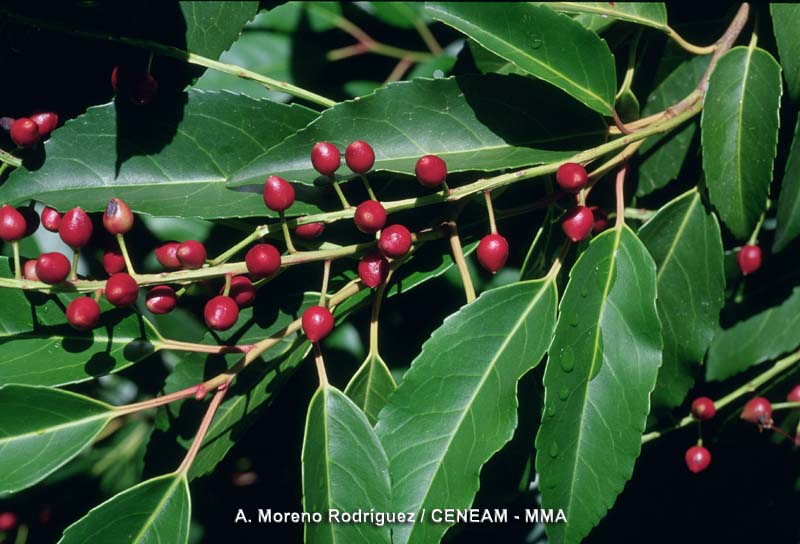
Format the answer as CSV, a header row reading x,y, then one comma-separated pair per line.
x,y
113,261
191,254
161,299
25,132
373,269
431,171
76,228
600,219
8,520
395,241
83,313
572,177
221,313
326,158
115,78
29,270
370,216
167,255
793,396
242,291
118,218
493,252
317,323
143,90
310,230
12,224
577,224
47,121
758,410
703,408
51,219
697,459
359,156
749,259
121,289
52,268
278,194
262,260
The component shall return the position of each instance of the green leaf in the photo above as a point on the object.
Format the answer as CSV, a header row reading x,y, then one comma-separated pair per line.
x,y
323,16
487,62
399,14
663,155
219,132
740,135
344,469
789,201
457,404
760,338
371,386
653,14
41,429
455,118
686,244
602,367
533,38
157,510
211,27
785,22
12,322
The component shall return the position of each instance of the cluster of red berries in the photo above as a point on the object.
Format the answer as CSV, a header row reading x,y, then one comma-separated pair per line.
x,y
29,131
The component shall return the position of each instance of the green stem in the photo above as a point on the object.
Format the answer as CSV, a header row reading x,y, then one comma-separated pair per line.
x,y
785,406
461,262
339,193
123,248
326,275
376,310
287,236
628,80
17,266
368,187
9,160
754,235
76,257
487,195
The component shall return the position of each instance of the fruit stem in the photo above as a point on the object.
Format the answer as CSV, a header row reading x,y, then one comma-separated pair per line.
x,y
461,263
8,160
326,275
428,37
691,48
399,70
323,376
368,187
785,406
754,235
125,255
373,46
286,234
227,289
339,193
202,430
374,317
17,266
620,194
487,195
76,257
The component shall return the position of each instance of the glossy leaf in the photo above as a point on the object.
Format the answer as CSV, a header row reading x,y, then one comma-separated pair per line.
x,y
344,469
740,135
602,367
535,42
789,201
156,510
653,14
454,118
371,386
686,244
487,62
211,27
56,426
399,14
11,322
785,22
760,338
457,404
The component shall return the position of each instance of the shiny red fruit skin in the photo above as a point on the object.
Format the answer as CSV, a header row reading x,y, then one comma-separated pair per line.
x,y
360,157
29,270
431,171
8,520
794,394
703,408
572,177
121,289
493,252
758,410
191,254
262,260
309,231
749,259
242,291
113,261
578,222
697,458
47,121
83,313
167,255
221,313
317,323
52,268
51,219
118,217
395,241
373,269
25,132
325,158
161,299
370,216
76,228
12,224
278,194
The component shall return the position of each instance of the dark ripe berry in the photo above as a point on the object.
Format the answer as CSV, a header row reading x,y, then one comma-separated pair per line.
x,y
373,269
758,410
83,313
326,158
749,259
493,252
47,121
577,223
51,219
242,291
31,219
317,323
118,217
703,408
370,216
161,299
52,268
793,396
29,270
115,78
262,260
697,459
431,171
572,177
6,122
310,231
121,289
143,90
395,241
167,255
76,228
278,194
113,261
221,313
25,132
600,219
12,224
191,254
8,520
359,156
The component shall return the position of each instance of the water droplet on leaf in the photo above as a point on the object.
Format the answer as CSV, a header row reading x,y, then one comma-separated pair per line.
x,y
553,450
536,41
551,411
567,360
563,393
